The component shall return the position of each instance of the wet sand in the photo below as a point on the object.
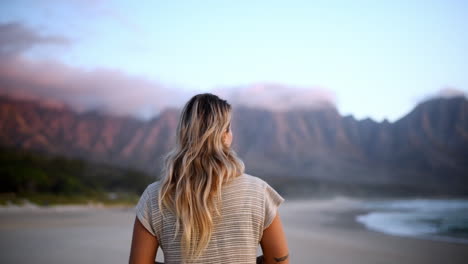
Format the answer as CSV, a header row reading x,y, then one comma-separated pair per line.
x,y
318,231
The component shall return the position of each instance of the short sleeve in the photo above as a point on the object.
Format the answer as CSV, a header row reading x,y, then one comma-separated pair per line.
x,y
272,201
144,211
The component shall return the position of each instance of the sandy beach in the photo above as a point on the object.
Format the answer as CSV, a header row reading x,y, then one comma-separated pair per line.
x,y
318,231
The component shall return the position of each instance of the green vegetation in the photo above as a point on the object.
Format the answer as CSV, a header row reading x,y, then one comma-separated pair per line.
x,y
46,179
46,199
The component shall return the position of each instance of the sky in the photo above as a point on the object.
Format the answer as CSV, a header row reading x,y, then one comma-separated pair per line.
x,y
374,59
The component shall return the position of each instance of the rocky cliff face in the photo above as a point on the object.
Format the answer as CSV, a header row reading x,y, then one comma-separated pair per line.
x,y
428,147
89,135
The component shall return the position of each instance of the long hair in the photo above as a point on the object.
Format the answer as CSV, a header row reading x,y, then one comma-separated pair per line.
x,y
196,168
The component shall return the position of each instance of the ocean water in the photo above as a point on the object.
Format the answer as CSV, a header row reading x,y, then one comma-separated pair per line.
x,y
436,219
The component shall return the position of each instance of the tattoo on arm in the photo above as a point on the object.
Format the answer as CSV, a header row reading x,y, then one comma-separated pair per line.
x,y
282,258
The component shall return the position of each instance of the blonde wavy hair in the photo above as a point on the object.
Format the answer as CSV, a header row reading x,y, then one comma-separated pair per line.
x,y
196,168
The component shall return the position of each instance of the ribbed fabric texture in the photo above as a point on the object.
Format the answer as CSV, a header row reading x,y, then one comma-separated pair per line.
x,y
249,205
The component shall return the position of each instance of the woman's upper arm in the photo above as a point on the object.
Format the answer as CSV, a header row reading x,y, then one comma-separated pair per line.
x,y
273,241
144,245
144,240
274,244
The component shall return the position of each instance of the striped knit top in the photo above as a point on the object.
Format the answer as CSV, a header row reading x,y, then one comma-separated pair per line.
x,y
249,205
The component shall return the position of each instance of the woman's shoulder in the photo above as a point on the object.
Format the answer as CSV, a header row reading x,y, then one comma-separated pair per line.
x,y
152,187
151,190
154,184
252,180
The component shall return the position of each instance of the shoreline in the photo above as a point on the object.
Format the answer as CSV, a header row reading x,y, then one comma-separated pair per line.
x,y
27,206
318,231
346,217
347,222
328,232
345,211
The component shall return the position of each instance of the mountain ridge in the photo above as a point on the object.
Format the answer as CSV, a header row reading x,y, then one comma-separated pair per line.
x,y
425,149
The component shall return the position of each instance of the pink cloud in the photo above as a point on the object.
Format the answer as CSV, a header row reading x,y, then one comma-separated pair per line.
x,y
450,92
17,38
116,92
279,97
109,90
